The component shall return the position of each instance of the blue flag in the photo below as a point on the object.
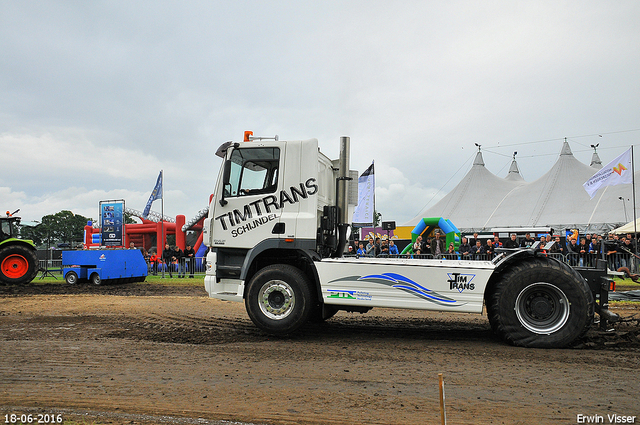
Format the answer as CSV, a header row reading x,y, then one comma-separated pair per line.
x,y
156,194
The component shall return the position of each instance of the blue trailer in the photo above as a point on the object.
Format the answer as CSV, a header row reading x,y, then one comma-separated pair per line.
x,y
104,265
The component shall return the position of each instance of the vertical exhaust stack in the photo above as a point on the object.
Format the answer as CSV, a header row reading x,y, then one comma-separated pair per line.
x,y
342,198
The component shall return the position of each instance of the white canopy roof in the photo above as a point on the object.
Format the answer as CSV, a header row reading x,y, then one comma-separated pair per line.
x,y
628,228
483,200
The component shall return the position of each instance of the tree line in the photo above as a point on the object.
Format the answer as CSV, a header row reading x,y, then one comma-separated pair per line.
x,y
63,227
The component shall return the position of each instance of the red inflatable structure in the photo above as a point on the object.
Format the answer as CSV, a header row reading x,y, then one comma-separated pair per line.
x,y
141,234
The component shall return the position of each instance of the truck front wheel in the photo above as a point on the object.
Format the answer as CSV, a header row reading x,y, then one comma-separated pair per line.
x,y
279,299
540,302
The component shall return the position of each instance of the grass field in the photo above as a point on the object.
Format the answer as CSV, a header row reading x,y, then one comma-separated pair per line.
x,y
626,285
198,280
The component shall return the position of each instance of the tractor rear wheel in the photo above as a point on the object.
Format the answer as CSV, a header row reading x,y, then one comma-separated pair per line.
x,y
540,302
18,264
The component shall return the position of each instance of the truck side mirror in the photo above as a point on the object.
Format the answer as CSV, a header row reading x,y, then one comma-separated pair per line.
x,y
222,150
226,191
226,186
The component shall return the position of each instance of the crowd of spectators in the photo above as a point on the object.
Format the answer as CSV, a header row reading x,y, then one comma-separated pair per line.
x,y
172,259
577,250
586,249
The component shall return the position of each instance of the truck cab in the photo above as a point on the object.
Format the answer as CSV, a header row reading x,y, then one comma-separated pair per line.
x,y
272,200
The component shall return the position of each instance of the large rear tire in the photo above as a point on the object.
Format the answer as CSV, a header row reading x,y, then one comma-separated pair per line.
x,y
279,299
18,264
540,302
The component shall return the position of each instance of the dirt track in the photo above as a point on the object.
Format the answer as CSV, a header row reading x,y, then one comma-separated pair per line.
x,y
160,350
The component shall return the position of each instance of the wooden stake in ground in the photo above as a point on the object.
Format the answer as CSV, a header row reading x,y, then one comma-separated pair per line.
x,y
443,411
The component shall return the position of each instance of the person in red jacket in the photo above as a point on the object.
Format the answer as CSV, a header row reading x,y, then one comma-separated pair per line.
x,y
154,259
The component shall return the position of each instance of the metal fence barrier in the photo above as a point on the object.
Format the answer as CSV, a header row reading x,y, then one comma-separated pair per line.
x,y
614,261
197,265
53,267
184,266
190,267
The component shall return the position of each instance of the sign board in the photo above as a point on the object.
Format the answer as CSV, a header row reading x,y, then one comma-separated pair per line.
x,y
112,222
388,225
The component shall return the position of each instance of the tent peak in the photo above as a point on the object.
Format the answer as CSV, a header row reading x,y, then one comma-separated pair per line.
x,y
478,160
514,167
566,150
595,159
514,172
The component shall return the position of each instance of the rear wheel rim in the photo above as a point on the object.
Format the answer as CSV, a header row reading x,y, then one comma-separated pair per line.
x,y
276,299
15,266
542,308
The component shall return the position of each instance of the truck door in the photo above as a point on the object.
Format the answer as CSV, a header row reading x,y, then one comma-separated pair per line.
x,y
247,208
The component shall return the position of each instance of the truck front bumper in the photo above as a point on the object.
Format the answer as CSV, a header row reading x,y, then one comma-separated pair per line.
x,y
222,289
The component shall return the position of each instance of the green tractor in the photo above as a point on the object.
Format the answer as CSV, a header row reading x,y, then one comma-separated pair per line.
x,y
18,259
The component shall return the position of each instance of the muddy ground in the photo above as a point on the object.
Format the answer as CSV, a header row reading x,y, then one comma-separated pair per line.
x,y
143,353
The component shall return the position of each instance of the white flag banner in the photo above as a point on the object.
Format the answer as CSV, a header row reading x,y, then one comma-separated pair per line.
x,y
363,214
616,172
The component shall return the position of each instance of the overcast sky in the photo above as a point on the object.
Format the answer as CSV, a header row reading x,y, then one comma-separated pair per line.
x,y
96,97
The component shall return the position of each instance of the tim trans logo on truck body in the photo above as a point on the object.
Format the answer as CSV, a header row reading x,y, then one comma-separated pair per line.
x,y
242,220
461,281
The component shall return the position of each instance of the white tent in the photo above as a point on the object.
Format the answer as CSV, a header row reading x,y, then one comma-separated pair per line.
x,y
475,197
628,228
482,201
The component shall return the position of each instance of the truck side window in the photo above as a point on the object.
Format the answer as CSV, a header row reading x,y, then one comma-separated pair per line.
x,y
253,171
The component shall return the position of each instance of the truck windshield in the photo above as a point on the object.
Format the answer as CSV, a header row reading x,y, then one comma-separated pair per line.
x,y
253,171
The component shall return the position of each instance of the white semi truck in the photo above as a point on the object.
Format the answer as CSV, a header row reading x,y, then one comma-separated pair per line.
x,y
277,228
